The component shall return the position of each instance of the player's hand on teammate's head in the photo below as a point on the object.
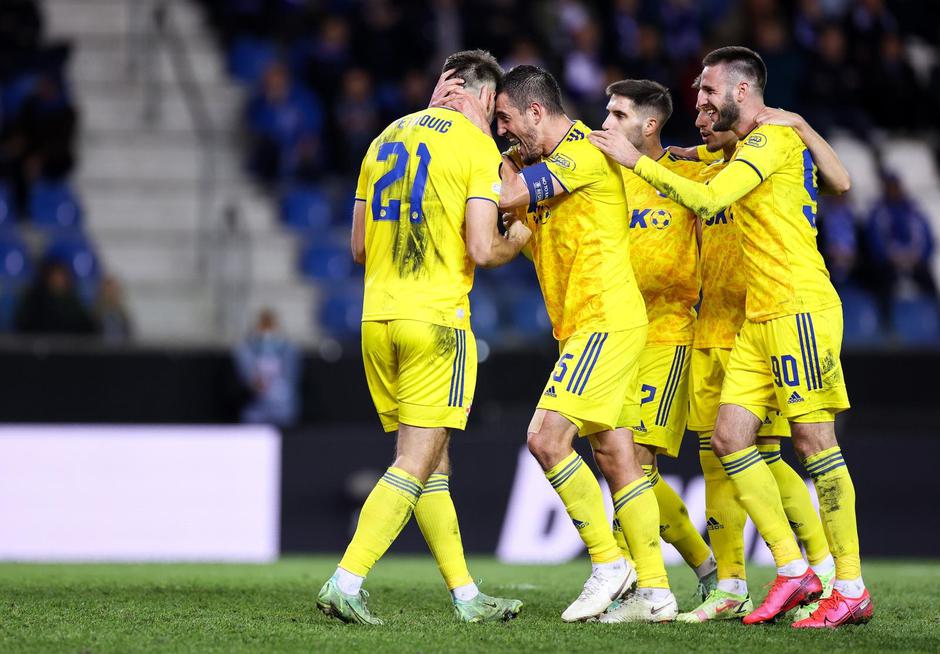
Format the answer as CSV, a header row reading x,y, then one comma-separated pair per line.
x,y
616,146
446,87
771,116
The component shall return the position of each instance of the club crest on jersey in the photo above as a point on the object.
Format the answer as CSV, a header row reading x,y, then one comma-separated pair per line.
x,y
756,140
562,161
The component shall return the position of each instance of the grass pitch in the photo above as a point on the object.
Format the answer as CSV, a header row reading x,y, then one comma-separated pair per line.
x,y
270,608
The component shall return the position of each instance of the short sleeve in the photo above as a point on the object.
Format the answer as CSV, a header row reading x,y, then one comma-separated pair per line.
x,y
363,183
579,167
765,149
706,155
484,182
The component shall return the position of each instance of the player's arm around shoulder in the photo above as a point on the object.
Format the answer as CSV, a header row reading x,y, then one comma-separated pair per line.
x,y
485,245
834,178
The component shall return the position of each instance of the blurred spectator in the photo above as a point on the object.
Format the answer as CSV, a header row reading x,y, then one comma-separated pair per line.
x,y
111,313
20,34
284,122
681,22
901,245
268,365
357,113
784,65
47,123
838,239
330,54
583,74
52,306
832,87
868,22
893,90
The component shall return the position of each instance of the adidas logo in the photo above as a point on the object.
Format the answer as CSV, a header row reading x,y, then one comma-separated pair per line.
x,y
767,420
578,524
795,525
550,392
641,427
712,524
794,398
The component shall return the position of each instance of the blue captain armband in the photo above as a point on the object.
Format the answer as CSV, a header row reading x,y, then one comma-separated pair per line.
x,y
538,179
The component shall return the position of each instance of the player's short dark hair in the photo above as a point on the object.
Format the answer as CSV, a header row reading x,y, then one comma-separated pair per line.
x,y
526,84
475,67
742,61
647,95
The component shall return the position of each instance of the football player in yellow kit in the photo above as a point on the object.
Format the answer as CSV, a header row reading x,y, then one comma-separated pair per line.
x,y
425,215
786,356
664,253
721,316
580,245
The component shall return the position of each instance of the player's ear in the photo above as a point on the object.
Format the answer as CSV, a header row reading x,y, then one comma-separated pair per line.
x,y
537,113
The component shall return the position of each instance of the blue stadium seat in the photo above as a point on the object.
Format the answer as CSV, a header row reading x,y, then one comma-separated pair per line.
x,y
7,208
248,58
340,313
76,252
860,318
305,208
326,262
916,321
15,265
484,312
54,205
529,315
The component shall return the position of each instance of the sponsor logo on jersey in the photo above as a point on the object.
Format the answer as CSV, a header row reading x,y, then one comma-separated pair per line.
x,y
756,140
562,161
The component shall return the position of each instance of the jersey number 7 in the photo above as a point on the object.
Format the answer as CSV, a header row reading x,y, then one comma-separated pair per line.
x,y
392,210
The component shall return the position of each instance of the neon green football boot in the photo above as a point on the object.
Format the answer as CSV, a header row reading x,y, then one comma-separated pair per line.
x,y
827,580
484,608
351,609
719,605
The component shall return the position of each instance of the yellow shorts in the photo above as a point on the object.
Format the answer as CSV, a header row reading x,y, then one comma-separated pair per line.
x,y
706,377
790,364
594,384
664,398
419,373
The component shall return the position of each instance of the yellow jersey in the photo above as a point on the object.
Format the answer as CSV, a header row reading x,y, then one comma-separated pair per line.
x,y
772,180
415,181
580,242
664,253
724,282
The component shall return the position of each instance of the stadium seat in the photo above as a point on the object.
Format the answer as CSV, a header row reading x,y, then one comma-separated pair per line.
x,y
248,58
15,264
912,161
326,262
54,205
76,252
305,208
916,321
484,312
861,321
340,313
7,209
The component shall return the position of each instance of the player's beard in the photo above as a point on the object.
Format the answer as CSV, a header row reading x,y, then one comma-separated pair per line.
x,y
528,148
728,114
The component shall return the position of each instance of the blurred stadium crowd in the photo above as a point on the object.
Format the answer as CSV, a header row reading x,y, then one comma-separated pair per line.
x,y
323,78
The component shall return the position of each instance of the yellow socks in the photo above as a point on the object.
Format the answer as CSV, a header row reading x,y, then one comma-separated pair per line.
x,y
637,511
836,495
797,504
384,514
724,516
674,524
622,543
576,485
756,489
437,519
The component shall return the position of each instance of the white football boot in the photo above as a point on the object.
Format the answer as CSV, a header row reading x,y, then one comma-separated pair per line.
x,y
603,587
637,608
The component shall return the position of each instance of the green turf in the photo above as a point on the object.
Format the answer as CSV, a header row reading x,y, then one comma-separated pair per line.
x,y
270,608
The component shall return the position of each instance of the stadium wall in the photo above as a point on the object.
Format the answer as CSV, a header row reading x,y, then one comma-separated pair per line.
x,y
328,465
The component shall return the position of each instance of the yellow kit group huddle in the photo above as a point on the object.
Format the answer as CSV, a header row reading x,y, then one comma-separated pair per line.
x,y
627,238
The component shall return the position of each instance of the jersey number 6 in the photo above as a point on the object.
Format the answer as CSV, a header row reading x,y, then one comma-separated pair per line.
x,y
392,210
